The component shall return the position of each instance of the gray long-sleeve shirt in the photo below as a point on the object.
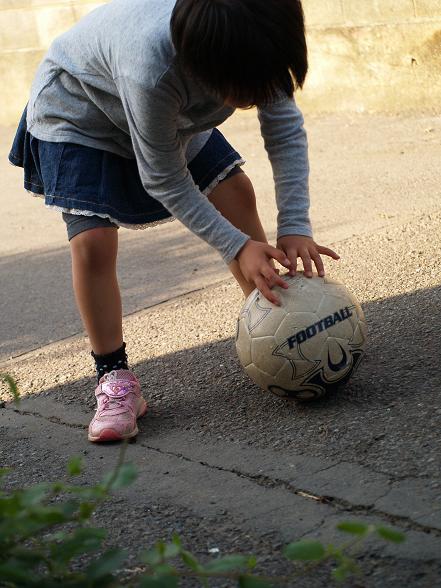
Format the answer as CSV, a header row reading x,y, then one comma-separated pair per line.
x,y
111,82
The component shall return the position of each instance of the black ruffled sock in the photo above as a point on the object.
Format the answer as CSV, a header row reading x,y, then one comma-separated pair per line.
x,y
117,360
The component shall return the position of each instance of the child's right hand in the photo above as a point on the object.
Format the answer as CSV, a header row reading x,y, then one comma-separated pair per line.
x,y
255,262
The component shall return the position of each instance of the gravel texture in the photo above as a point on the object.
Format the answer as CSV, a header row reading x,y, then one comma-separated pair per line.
x,y
214,452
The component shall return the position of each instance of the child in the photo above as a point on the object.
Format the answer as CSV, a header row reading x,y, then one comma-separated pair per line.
x,y
120,130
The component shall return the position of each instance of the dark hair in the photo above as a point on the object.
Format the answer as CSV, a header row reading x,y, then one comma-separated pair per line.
x,y
250,52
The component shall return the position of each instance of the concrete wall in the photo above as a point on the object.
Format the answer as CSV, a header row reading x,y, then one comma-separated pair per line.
x,y
365,55
27,27
373,55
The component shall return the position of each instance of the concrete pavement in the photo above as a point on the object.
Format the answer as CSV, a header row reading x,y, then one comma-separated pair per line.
x,y
222,463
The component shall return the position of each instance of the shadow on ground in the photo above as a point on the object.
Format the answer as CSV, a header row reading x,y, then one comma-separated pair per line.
x,y
387,417
38,285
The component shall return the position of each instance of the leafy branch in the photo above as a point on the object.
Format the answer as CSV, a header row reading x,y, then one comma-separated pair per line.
x,y
44,531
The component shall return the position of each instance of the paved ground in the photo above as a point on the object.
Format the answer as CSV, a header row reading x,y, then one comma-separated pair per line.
x,y
222,463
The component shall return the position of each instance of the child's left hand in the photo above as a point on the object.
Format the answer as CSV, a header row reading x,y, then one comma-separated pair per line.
x,y
295,246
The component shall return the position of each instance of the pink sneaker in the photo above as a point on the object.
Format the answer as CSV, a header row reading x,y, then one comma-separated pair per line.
x,y
119,403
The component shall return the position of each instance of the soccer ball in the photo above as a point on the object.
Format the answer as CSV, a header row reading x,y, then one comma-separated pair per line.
x,y
307,346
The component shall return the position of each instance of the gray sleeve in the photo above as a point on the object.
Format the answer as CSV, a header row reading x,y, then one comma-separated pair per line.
x,y
286,143
152,119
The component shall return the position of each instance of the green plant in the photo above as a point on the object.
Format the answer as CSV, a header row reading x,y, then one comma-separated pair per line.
x,y
36,548
239,567
12,386
44,530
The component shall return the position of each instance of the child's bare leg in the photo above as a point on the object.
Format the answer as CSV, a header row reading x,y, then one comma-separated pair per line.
x,y
234,198
96,287
118,394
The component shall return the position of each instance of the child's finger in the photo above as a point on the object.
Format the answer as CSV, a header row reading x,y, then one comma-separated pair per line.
x,y
292,256
273,278
278,255
319,264
263,287
328,252
307,263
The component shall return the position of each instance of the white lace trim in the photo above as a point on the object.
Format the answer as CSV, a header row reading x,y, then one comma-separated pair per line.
x,y
222,176
135,227
138,227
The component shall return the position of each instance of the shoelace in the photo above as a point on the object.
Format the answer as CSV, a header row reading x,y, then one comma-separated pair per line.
x,y
115,402
109,403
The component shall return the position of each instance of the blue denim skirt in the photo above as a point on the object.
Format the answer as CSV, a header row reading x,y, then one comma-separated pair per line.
x,y
82,180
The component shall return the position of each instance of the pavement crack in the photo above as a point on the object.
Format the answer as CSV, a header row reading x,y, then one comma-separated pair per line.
x,y
333,465
52,419
339,504
312,530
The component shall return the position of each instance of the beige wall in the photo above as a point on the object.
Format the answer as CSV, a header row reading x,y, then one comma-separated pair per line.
x,y
365,55
27,27
373,55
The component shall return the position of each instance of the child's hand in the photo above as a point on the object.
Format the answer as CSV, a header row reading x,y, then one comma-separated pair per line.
x,y
294,246
256,263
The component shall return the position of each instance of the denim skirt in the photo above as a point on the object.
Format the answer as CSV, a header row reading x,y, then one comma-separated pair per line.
x,y
82,180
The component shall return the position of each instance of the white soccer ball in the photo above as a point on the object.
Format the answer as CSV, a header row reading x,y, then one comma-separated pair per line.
x,y
309,345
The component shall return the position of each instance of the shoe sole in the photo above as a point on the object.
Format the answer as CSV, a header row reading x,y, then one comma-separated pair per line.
x,y
112,435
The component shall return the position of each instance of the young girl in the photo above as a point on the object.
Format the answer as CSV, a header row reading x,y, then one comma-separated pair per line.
x,y
120,130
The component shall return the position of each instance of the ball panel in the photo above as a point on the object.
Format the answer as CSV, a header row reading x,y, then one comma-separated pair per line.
x,y
301,337
360,334
331,303
303,294
292,323
292,373
338,361
259,377
262,354
243,343
343,329
261,316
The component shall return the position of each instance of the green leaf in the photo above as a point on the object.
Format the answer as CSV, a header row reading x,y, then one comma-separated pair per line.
x,y
75,466
190,561
340,573
94,493
34,495
17,575
171,550
150,557
164,569
391,535
58,487
160,547
86,510
108,563
123,476
353,527
164,582
79,542
26,556
347,567
253,582
227,563
305,551
161,552
12,386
